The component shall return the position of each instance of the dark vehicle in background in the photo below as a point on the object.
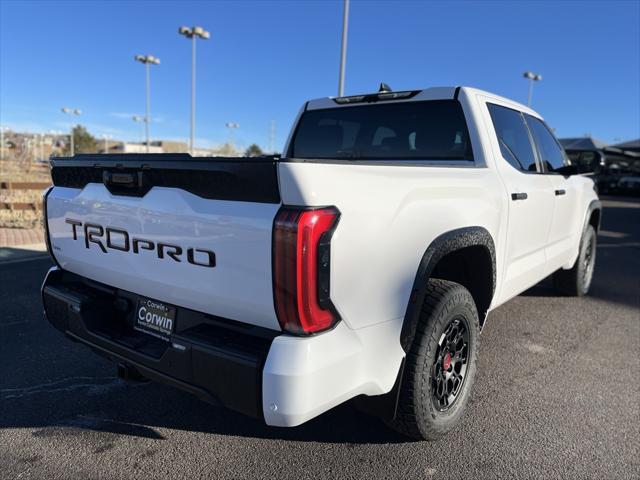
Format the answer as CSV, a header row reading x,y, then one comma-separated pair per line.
x,y
615,168
629,185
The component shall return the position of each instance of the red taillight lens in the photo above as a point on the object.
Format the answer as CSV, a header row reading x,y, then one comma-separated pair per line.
x,y
301,263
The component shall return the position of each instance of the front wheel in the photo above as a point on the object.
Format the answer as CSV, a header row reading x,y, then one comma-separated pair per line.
x,y
440,367
576,281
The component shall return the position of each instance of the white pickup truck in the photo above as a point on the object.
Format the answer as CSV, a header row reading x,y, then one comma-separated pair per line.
x,y
362,263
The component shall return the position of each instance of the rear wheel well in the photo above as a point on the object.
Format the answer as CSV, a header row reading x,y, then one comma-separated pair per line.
x,y
466,256
471,267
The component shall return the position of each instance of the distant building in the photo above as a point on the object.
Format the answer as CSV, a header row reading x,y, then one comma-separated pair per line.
x,y
171,146
134,148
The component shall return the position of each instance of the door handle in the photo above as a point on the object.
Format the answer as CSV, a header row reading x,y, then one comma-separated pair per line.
x,y
561,192
519,196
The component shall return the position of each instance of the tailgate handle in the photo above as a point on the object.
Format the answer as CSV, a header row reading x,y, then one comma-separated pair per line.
x,y
125,183
122,178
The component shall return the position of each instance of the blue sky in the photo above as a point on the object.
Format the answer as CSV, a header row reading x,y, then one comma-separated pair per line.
x,y
265,58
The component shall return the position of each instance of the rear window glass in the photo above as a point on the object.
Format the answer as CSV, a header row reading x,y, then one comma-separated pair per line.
x,y
430,130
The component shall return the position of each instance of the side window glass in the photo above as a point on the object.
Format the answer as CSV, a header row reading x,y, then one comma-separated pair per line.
x,y
551,154
513,137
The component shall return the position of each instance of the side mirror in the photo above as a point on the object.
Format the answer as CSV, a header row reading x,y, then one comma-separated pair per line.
x,y
568,170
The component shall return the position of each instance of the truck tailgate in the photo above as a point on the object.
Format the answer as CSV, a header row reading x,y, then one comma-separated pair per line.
x,y
192,233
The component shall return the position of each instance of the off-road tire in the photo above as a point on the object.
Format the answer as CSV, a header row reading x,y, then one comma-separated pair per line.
x,y
576,281
417,415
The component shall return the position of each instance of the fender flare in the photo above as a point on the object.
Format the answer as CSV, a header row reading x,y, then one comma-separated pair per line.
x,y
441,246
593,206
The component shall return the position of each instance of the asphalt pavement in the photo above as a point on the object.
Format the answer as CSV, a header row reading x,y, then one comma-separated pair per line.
x,y
557,396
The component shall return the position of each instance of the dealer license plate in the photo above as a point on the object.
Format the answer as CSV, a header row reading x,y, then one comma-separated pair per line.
x,y
155,318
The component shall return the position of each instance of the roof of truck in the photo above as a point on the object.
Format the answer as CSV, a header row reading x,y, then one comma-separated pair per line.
x,y
431,93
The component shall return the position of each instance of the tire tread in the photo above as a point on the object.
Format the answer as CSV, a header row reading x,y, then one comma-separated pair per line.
x,y
440,297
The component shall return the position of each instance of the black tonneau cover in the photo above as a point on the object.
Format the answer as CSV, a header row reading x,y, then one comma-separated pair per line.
x,y
252,179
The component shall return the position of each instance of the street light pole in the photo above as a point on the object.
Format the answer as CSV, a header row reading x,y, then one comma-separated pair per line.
x,y
106,144
148,103
232,126
343,52
148,60
533,77
76,112
193,33
193,94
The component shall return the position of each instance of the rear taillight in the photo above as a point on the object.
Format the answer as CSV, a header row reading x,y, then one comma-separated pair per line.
x,y
301,268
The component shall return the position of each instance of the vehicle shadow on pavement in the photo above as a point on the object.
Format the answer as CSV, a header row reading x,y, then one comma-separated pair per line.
x,y
343,424
23,253
147,410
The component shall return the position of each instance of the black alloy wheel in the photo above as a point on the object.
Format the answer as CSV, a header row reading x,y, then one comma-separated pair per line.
x,y
589,262
450,367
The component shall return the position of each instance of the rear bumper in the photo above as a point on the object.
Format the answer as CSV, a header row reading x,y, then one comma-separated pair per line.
x,y
283,379
217,360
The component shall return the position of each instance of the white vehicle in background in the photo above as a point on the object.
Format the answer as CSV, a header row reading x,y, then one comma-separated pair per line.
x,y
362,263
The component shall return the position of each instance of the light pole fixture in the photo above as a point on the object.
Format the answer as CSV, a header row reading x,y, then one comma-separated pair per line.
x,y
193,33
147,60
140,119
343,50
76,112
533,77
232,126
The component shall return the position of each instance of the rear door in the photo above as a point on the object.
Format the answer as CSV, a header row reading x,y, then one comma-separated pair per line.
x,y
530,197
565,229
195,234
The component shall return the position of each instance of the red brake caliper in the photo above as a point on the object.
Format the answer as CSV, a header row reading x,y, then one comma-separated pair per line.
x,y
446,362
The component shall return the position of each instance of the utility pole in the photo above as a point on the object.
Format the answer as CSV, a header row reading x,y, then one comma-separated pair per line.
x,y
106,144
193,33
272,136
343,52
76,112
147,60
